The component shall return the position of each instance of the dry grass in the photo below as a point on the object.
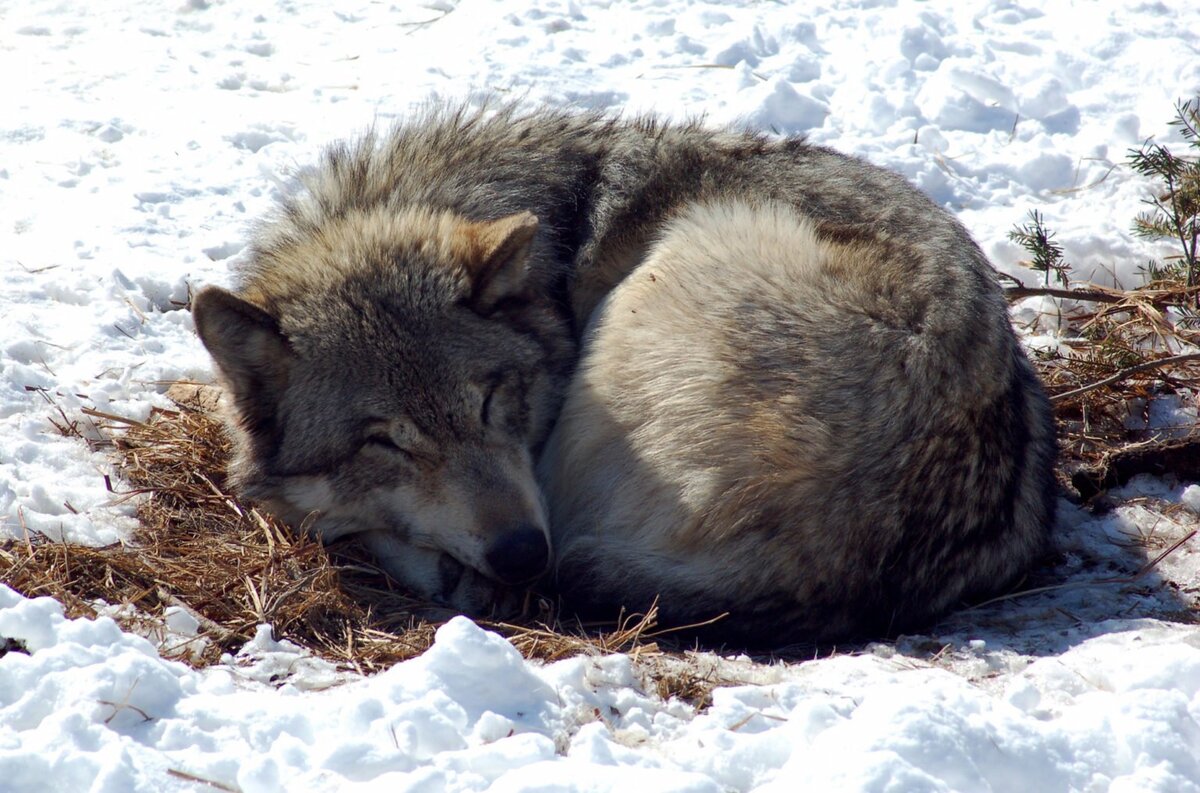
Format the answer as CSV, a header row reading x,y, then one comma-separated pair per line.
x,y
1124,349
230,566
233,568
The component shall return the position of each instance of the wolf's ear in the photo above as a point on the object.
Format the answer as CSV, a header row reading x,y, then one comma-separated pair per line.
x,y
250,351
500,260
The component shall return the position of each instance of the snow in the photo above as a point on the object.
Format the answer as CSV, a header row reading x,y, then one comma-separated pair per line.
x,y
94,707
140,140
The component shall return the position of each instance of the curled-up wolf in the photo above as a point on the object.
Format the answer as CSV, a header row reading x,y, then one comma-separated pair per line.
x,y
638,361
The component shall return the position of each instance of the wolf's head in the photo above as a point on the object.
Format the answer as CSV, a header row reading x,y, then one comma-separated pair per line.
x,y
396,370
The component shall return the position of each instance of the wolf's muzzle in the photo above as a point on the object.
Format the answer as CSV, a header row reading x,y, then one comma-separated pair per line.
x,y
520,555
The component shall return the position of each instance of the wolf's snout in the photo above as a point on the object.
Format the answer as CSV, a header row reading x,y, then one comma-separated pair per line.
x,y
519,556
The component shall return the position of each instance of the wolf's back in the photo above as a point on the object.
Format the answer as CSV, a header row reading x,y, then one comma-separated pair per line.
x,y
824,430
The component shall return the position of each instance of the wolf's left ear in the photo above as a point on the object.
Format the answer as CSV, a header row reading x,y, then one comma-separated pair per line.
x,y
250,351
500,263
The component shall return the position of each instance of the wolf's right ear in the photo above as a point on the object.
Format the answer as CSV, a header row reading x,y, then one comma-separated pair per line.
x,y
251,353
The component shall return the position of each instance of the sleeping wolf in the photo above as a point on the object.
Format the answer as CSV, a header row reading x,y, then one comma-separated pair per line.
x,y
784,382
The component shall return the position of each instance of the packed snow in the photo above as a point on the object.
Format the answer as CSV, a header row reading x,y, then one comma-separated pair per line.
x,y
140,140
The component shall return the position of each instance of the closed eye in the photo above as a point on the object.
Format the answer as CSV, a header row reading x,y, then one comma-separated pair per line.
x,y
387,443
485,412
488,412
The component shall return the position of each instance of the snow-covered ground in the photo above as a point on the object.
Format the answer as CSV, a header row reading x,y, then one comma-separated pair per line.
x,y
138,140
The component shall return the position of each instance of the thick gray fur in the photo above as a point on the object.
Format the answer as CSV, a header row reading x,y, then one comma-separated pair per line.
x,y
792,392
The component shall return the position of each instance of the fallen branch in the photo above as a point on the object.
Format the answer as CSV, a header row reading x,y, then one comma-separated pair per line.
x,y
1145,366
1153,293
1093,295
1180,457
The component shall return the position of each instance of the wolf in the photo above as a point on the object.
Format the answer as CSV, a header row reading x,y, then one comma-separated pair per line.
x,y
636,362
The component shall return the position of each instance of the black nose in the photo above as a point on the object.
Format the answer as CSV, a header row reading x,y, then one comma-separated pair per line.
x,y
520,555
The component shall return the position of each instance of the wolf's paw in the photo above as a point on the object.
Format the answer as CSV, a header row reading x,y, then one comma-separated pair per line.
x,y
475,594
442,579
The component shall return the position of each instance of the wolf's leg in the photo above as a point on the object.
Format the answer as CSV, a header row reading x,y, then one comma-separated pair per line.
x,y
440,577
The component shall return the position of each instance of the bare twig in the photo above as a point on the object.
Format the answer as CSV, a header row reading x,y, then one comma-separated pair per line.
x,y
1092,295
1145,366
190,777
122,420
1150,565
1143,570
